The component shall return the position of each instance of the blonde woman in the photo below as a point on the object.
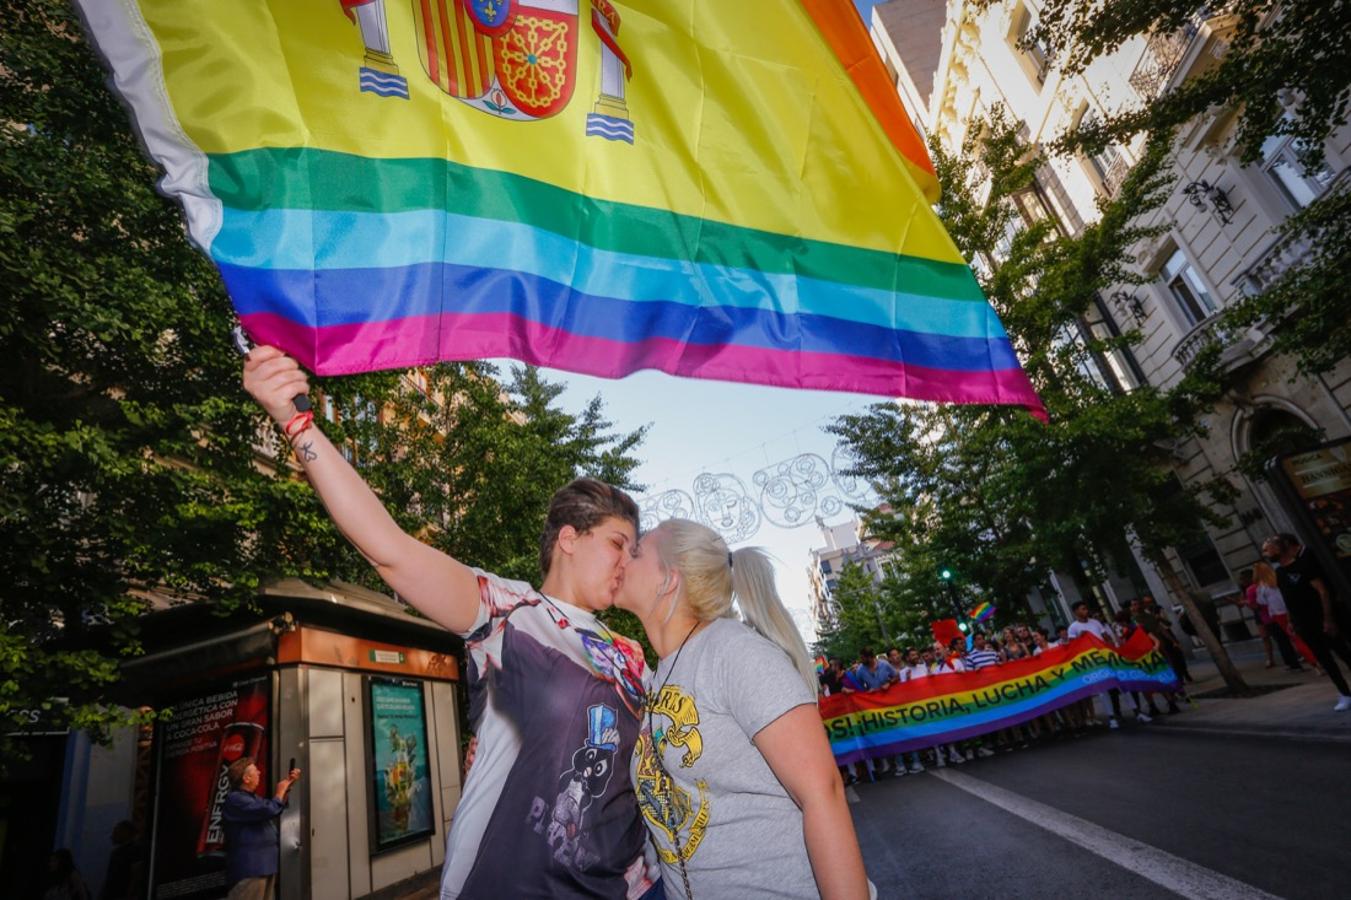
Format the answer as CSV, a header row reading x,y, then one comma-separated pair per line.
x,y
733,772
1267,599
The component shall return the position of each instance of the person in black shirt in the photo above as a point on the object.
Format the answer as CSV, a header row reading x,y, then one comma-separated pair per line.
x,y
832,679
1308,596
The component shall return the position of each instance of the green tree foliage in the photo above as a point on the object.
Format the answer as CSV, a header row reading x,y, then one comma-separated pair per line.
x,y
993,493
1285,71
127,448
857,604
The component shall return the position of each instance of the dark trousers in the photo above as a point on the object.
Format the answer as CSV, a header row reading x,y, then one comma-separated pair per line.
x,y
1325,649
1283,645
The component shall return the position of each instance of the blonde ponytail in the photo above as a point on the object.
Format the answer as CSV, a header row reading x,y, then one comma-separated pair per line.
x,y
712,575
758,598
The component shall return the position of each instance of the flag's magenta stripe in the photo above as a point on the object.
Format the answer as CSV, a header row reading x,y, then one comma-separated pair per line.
x,y
345,349
354,296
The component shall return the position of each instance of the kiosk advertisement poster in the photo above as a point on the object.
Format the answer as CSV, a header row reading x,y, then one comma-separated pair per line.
x,y
203,735
400,777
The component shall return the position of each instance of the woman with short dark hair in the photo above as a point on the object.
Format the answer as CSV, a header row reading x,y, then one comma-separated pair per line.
x,y
554,694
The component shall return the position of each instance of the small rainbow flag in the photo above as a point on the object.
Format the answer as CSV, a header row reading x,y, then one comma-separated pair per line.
x,y
716,190
982,613
820,664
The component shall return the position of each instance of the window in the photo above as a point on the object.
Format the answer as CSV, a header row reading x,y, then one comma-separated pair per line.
x,y
1118,362
1187,288
1034,55
1204,562
831,585
1108,164
1280,160
825,567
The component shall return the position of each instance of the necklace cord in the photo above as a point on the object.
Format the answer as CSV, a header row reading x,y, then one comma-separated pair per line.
x,y
668,781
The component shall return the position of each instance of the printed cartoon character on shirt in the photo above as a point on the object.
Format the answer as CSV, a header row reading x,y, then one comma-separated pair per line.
x,y
665,804
618,661
592,767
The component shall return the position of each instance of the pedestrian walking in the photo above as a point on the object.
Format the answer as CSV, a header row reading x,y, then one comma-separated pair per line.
x,y
1262,593
1308,596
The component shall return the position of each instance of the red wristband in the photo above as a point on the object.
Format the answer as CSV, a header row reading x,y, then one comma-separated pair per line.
x,y
298,424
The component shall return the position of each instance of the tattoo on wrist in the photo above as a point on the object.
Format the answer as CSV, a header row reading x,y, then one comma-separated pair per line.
x,y
306,451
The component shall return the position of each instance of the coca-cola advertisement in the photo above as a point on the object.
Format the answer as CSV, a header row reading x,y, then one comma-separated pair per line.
x,y
200,739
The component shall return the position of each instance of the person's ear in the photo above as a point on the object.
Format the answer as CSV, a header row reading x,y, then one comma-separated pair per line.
x,y
567,539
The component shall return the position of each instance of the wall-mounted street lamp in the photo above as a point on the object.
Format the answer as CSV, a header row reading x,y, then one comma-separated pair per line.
x,y
1128,302
1198,193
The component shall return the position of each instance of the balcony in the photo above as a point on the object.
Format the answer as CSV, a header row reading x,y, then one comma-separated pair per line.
x,y
1115,174
1239,347
1164,54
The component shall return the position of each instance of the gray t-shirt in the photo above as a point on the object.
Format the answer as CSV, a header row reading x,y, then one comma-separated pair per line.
x,y
738,830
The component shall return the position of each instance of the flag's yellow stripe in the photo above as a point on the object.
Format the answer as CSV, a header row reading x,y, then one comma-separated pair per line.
x,y
752,123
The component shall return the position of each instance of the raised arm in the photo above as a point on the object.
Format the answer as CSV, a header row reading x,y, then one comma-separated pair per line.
x,y
443,589
796,749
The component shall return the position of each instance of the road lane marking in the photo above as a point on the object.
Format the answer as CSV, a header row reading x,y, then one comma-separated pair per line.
x,y
1164,869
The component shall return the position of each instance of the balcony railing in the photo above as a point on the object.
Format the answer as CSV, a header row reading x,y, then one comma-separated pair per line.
x,y
1238,346
1115,175
1165,52
1207,332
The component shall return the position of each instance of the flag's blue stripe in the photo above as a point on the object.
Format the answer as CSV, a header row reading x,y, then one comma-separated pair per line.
x,y
298,239
328,297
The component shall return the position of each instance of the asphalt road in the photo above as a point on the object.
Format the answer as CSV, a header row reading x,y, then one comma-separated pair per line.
x,y
1139,813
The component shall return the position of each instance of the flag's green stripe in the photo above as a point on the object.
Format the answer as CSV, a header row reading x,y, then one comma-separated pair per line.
x,y
299,178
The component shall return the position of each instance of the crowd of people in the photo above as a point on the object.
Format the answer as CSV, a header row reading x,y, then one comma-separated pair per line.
x,y
1288,592
873,672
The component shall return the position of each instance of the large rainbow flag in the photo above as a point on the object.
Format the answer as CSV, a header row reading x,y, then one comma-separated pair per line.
x,y
941,708
718,190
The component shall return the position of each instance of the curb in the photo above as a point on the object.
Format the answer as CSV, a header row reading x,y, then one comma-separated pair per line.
x,y
1243,729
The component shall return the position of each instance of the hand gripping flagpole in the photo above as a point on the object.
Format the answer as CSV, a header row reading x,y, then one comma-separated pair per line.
x,y
243,345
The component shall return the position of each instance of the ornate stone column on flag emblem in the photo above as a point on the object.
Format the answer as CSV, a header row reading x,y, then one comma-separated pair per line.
x,y
378,73
610,118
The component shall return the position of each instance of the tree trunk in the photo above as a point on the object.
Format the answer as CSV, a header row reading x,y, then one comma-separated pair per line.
x,y
1217,652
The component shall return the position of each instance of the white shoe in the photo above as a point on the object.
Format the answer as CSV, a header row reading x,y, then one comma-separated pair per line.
x,y
938,762
1113,724
1143,717
916,768
956,758
1342,705
984,751
898,771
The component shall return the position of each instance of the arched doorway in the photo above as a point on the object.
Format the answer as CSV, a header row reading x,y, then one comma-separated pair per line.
x,y
1272,428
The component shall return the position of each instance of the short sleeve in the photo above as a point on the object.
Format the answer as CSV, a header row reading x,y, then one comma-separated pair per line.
x,y
762,683
497,597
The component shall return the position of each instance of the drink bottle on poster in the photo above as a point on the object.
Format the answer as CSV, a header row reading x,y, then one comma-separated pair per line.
x,y
238,740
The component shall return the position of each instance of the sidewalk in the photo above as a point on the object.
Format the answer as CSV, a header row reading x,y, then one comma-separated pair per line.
x,y
1301,709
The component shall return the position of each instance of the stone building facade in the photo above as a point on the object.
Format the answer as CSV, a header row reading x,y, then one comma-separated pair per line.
x,y
954,61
